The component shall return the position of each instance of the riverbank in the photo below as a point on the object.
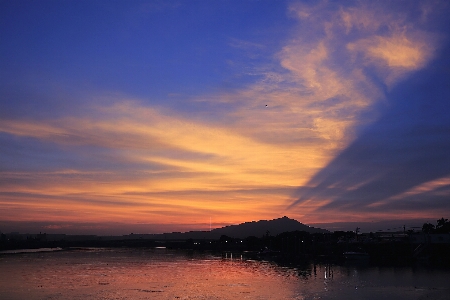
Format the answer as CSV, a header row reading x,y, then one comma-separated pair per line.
x,y
289,246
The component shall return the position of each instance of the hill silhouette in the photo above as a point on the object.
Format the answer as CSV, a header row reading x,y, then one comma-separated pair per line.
x,y
255,228
263,227
243,230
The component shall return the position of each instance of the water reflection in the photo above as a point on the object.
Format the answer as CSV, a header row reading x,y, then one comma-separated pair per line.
x,y
166,274
329,272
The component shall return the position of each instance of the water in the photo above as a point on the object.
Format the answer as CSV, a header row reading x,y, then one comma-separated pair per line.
x,y
167,274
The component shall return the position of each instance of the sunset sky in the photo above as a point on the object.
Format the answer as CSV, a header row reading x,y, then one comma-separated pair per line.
x,y
160,116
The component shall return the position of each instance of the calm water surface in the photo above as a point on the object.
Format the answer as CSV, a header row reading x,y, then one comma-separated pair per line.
x,y
167,274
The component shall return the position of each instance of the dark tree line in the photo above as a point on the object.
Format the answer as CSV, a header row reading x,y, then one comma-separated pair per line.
x,y
442,226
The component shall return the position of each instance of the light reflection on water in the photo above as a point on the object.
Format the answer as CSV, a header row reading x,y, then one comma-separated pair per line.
x,y
167,274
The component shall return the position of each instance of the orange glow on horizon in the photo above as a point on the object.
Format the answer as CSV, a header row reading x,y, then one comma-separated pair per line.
x,y
233,155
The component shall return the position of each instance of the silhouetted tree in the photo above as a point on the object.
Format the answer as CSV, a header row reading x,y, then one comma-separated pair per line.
x,y
427,228
441,222
443,226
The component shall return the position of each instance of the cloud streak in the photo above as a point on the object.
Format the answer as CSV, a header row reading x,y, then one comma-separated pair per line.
x,y
136,159
349,104
398,164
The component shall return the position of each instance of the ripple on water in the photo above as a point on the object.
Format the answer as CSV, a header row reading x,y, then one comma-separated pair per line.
x,y
164,274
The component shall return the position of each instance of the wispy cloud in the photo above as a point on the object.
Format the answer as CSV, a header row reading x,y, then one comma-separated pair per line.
x,y
331,110
137,158
379,49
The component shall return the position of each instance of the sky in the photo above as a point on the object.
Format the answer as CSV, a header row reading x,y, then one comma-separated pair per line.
x,y
161,116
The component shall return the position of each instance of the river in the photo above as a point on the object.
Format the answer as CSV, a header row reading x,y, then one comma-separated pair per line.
x,y
169,274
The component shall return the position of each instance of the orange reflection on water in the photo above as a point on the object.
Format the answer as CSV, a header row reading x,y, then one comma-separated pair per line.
x,y
140,274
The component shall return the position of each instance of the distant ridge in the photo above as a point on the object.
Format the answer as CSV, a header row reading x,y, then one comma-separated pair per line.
x,y
243,230
263,227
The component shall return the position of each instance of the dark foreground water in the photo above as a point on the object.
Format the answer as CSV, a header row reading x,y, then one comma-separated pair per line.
x,y
168,274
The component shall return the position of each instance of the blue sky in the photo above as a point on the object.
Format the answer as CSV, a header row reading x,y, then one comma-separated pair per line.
x,y
146,49
151,116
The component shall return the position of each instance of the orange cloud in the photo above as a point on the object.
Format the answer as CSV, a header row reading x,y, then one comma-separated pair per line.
x,y
274,136
193,159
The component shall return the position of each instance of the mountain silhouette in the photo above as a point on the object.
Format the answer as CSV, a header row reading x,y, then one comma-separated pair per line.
x,y
255,228
264,227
